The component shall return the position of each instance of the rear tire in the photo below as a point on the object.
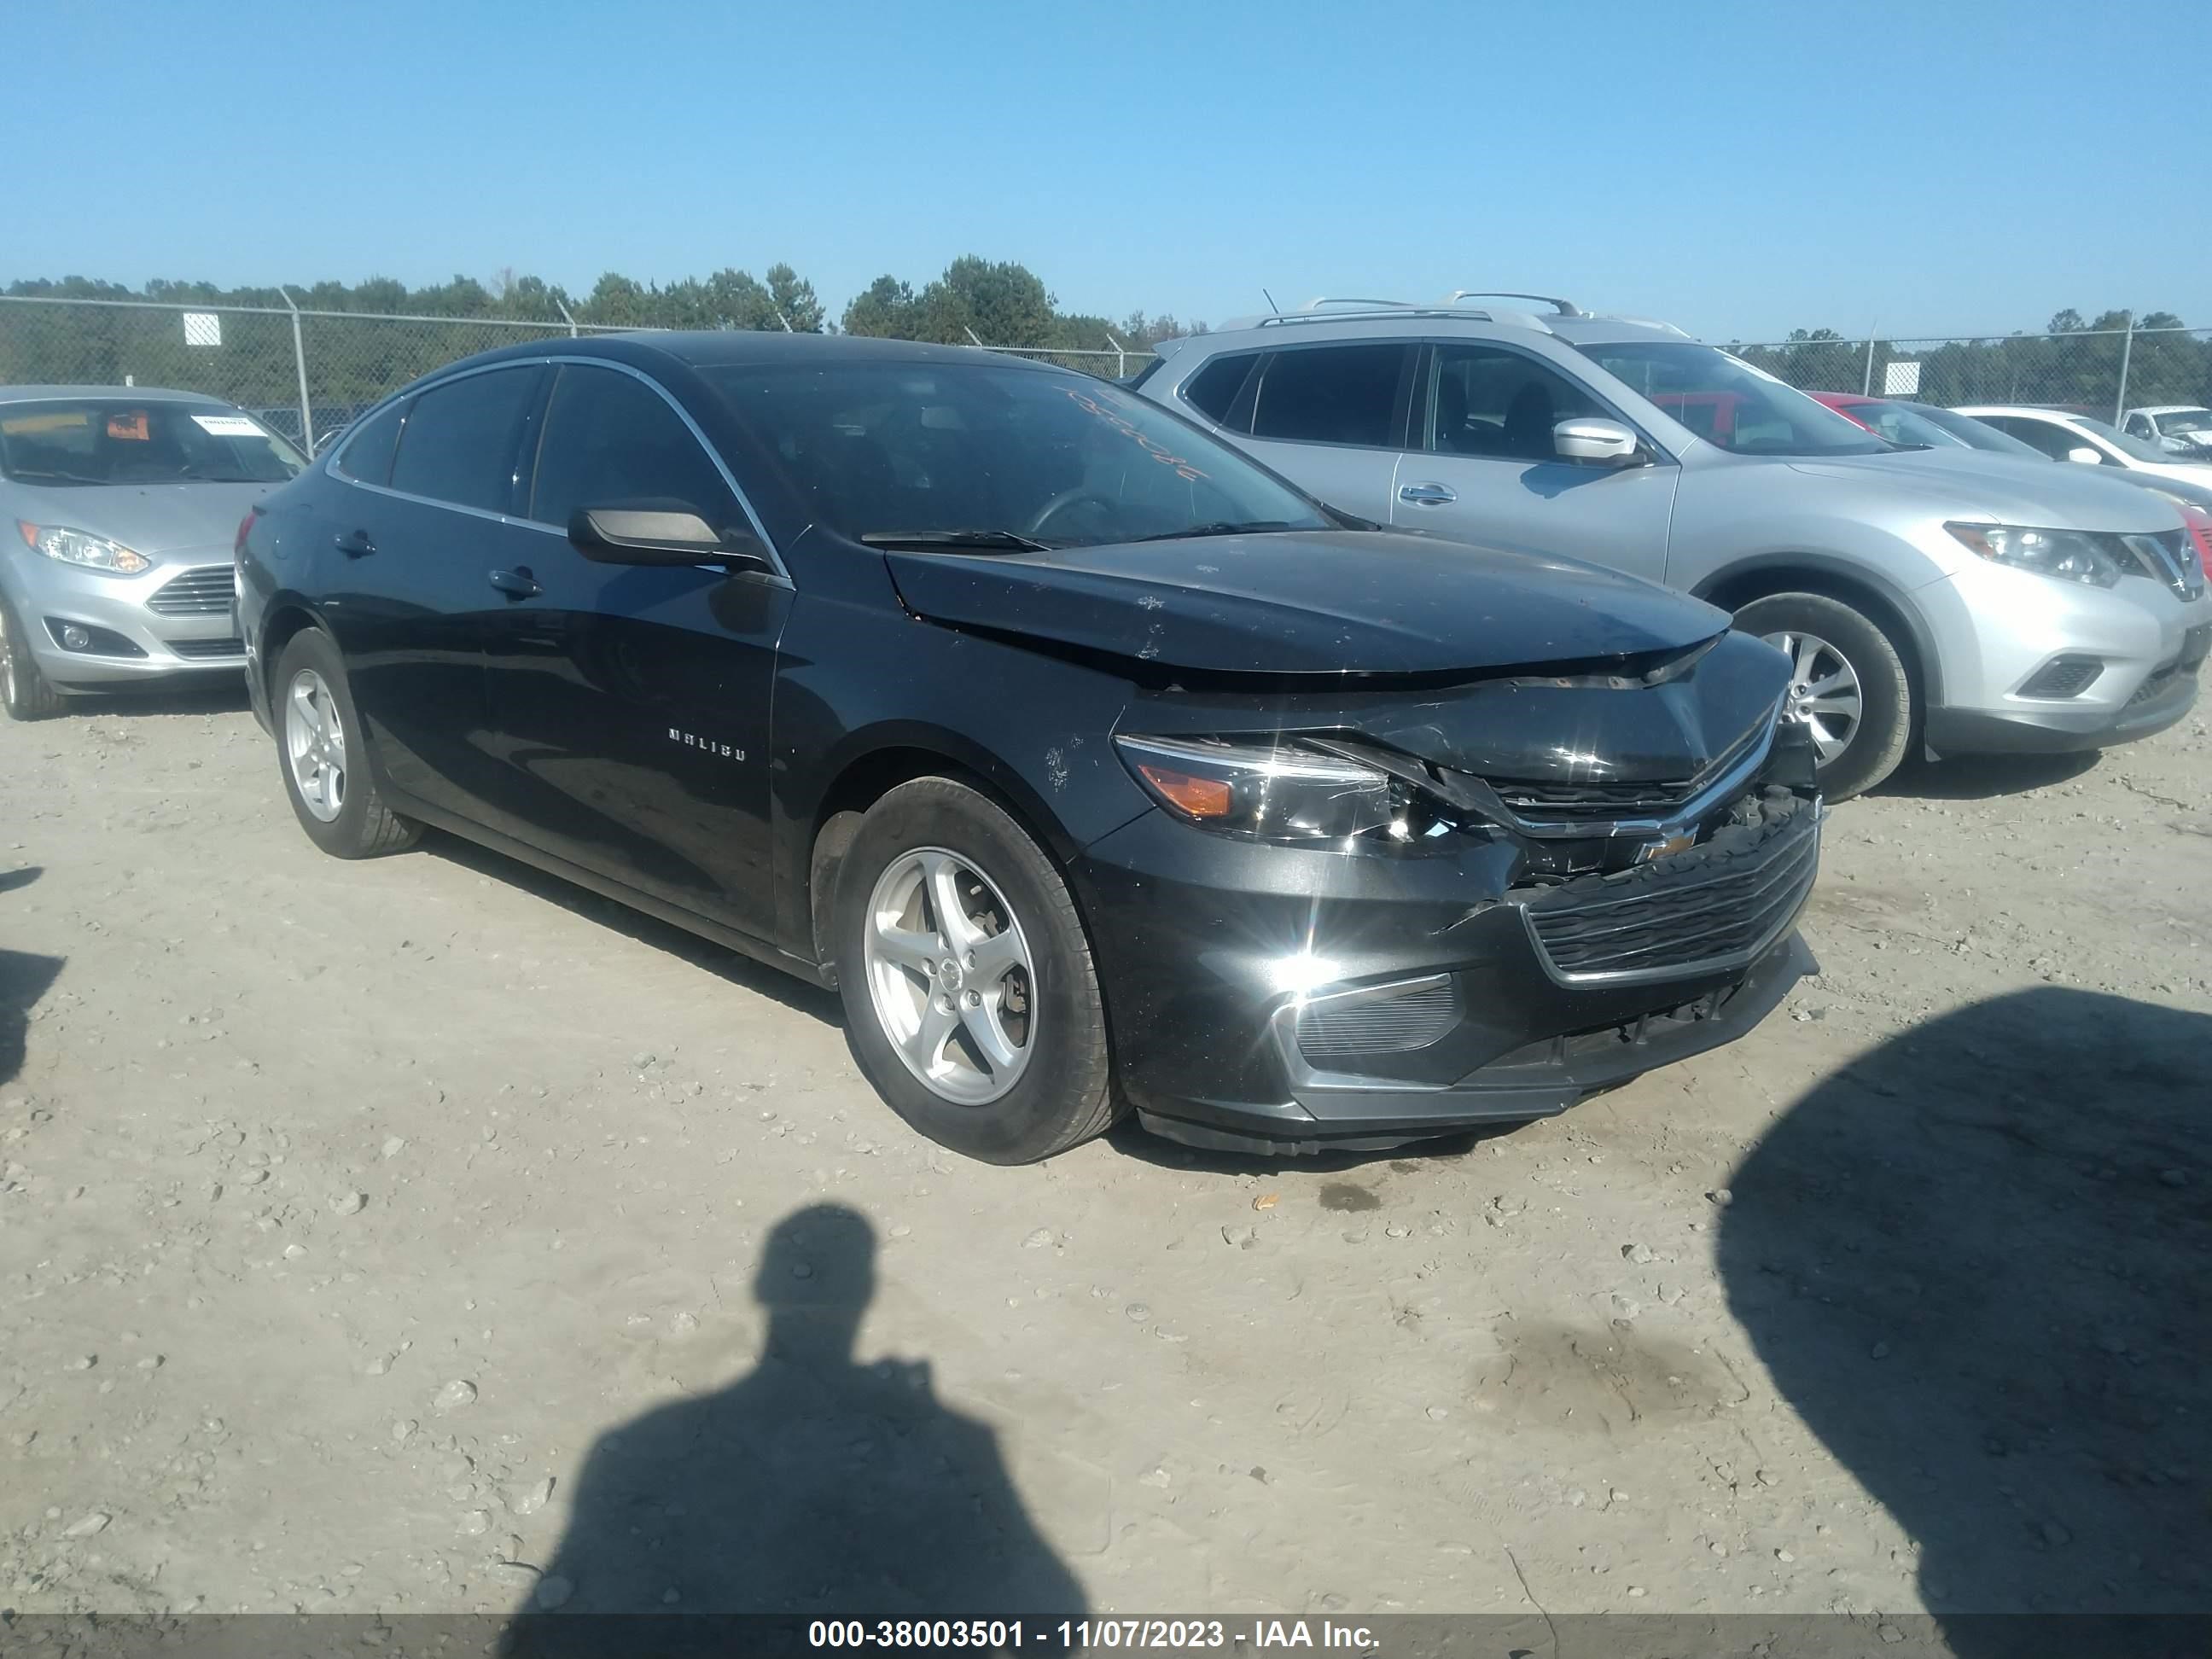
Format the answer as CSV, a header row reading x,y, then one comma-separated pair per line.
x,y
25,690
1840,659
323,754
1004,968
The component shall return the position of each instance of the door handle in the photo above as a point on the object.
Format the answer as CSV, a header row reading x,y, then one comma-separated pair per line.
x,y
354,544
1427,495
517,584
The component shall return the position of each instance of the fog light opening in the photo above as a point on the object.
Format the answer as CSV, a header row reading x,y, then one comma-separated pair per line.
x,y
74,638
1302,974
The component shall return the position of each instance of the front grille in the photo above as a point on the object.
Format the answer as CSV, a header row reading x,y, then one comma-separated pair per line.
x,y
2172,557
1714,905
2064,677
1387,1024
207,648
1543,798
206,591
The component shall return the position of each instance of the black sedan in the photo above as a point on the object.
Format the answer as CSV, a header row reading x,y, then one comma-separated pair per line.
x,y
1095,766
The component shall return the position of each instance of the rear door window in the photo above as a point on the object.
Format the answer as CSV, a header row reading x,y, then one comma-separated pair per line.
x,y
1336,394
1213,391
463,438
610,439
366,455
2052,440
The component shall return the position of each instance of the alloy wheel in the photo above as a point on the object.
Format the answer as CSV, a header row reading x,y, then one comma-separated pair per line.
x,y
1825,696
8,660
314,745
950,976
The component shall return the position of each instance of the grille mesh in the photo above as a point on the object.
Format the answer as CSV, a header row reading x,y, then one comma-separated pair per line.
x,y
206,591
1415,1018
207,648
1718,902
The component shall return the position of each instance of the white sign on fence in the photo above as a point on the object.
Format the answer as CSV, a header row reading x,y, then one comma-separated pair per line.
x,y
203,328
1900,380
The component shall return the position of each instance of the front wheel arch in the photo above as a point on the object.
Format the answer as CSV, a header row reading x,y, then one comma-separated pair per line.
x,y
1738,585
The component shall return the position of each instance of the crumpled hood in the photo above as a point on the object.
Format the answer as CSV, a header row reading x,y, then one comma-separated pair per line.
x,y
152,518
2008,490
1308,604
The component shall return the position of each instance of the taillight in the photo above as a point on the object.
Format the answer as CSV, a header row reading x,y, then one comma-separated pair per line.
x,y
245,528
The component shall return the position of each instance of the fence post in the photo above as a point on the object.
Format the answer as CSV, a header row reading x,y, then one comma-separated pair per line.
x,y
565,317
2127,350
1865,380
300,362
1121,355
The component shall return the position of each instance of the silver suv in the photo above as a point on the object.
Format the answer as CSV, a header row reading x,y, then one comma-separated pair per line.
x,y
1969,602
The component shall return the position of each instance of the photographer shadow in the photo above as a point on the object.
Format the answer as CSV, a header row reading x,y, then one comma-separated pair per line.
x,y
813,1487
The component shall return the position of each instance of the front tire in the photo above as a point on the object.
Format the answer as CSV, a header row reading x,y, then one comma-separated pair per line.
x,y
1848,684
971,1001
323,754
25,690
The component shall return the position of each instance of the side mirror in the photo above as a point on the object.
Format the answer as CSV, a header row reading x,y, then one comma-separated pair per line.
x,y
1607,442
610,535
2086,455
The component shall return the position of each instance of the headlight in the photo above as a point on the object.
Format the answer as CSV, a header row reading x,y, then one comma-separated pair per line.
x,y
2068,554
1273,790
82,547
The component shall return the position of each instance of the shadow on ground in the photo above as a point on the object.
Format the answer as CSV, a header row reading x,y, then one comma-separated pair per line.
x,y
24,978
814,1486
1976,1262
1984,777
223,696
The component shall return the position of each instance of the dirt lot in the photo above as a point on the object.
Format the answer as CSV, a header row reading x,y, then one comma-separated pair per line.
x,y
424,1235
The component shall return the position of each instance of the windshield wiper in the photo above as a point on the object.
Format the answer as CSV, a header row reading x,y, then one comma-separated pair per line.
x,y
1221,527
987,541
58,478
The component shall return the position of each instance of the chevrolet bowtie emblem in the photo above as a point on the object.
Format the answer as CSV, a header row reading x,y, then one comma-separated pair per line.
x,y
1665,846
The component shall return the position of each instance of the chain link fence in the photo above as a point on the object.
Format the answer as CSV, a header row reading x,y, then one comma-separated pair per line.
x,y
2100,372
308,372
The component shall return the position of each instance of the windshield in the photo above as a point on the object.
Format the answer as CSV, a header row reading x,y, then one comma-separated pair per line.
x,y
1902,424
1973,434
116,442
2182,421
943,451
1727,402
2133,448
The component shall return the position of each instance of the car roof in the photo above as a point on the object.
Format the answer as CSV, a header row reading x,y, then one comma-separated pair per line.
x,y
717,348
2039,411
38,394
2168,409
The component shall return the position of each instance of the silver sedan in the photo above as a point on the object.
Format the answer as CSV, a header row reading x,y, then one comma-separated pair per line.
x,y
119,506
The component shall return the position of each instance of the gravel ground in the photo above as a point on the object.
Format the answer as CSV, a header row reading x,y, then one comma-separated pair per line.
x,y
423,1236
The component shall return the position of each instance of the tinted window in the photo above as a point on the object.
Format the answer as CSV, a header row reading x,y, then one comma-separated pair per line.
x,y
892,446
1975,434
612,440
1490,401
367,453
1331,395
2053,441
461,438
1213,391
122,440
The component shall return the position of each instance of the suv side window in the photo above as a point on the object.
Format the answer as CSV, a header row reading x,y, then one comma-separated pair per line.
x,y
1493,401
2048,436
610,439
460,440
1336,394
1213,391
367,453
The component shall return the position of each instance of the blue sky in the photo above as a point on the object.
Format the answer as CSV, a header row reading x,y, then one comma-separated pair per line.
x,y
1740,169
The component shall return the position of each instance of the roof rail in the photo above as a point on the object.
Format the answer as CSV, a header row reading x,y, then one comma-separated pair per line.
x,y
1563,308
1389,308
1364,304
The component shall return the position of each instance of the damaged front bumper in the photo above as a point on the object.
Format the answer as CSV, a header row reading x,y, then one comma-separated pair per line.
x,y
1271,999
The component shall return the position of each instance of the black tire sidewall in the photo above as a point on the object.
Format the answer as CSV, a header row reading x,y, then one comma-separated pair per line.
x,y
1886,691
347,835
1060,1094
40,701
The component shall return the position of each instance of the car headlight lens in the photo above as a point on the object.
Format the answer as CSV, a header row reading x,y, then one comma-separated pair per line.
x,y
82,547
1272,790
2069,555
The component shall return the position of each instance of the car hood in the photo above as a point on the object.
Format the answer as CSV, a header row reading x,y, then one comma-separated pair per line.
x,y
152,518
1322,604
2009,489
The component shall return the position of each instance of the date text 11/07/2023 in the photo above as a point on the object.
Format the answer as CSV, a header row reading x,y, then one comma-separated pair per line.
x,y
1084,1635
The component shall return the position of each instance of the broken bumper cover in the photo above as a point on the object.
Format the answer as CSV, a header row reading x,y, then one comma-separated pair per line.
x,y
1264,999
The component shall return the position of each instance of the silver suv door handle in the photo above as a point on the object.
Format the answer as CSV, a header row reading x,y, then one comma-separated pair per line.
x,y
1427,495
